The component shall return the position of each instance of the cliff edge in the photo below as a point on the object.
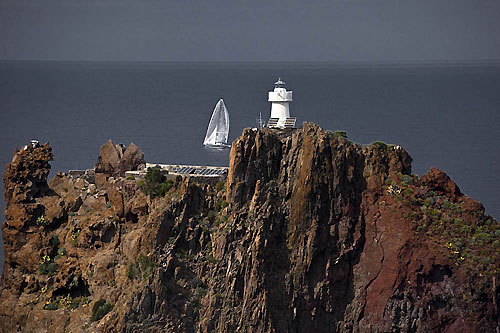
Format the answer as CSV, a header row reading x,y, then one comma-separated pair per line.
x,y
310,233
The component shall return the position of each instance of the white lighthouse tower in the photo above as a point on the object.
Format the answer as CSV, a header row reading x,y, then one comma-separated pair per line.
x,y
280,110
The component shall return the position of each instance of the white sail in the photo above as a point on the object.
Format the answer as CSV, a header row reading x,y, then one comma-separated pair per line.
x,y
218,128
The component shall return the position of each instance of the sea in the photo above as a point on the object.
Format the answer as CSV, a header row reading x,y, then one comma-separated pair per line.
x,y
445,115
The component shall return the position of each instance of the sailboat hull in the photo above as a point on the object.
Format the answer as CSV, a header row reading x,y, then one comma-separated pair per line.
x,y
217,145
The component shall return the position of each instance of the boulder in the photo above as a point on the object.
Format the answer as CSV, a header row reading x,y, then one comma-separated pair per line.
x,y
114,160
132,159
109,158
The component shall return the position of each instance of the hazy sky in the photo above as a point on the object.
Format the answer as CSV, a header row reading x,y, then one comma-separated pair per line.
x,y
251,30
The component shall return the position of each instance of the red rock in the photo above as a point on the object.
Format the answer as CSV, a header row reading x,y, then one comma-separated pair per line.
x,y
440,182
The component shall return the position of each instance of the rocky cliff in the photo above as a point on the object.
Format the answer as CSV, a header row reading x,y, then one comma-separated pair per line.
x,y
310,233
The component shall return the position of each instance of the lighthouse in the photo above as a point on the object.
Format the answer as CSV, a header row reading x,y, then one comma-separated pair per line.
x,y
280,109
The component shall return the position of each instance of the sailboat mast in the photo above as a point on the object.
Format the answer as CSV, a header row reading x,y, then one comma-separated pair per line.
x,y
259,121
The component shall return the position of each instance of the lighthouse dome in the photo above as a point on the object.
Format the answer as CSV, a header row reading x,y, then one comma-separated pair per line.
x,y
279,83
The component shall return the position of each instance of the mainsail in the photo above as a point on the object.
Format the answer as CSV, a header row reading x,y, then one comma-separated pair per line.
x,y
218,128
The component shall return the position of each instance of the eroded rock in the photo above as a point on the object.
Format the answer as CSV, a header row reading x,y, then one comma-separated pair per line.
x,y
311,233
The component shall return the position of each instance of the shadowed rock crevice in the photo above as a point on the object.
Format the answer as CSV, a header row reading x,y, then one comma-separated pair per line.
x,y
76,288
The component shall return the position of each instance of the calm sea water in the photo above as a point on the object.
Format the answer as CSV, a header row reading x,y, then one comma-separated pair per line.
x,y
445,116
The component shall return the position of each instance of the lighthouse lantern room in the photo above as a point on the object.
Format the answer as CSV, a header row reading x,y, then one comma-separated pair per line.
x,y
280,109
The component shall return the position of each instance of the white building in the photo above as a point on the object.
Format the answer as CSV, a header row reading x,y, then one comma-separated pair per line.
x,y
280,109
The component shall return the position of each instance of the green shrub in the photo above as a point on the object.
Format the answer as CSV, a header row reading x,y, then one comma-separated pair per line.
x,y
61,251
42,221
380,144
340,134
47,268
108,205
220,205
407,179
51,306
69,302
130,178
446,204
54,240
211,216
200,292
482,236
219,186
74,237
152,182
196,282
431,194
100,309
408,191
165,187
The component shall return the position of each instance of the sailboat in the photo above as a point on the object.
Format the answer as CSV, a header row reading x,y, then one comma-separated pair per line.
x,y
218,128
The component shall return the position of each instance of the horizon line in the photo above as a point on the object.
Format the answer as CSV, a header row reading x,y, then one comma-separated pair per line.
x,y
429,61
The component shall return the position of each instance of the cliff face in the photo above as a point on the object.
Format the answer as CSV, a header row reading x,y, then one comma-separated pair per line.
x,y
310,233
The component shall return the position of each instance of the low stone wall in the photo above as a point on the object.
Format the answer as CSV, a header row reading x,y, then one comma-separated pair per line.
x,y
137,174
200,179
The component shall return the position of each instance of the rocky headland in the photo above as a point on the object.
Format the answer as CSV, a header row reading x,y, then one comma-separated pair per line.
x,y
309,233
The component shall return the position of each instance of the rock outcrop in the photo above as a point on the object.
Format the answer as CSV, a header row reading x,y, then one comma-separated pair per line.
x,y
114,160
310,233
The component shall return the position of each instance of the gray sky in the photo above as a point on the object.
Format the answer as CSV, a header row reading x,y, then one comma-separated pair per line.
x,y
251,30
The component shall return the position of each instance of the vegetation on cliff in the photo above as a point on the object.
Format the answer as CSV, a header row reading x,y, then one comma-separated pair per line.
x,y
310,232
